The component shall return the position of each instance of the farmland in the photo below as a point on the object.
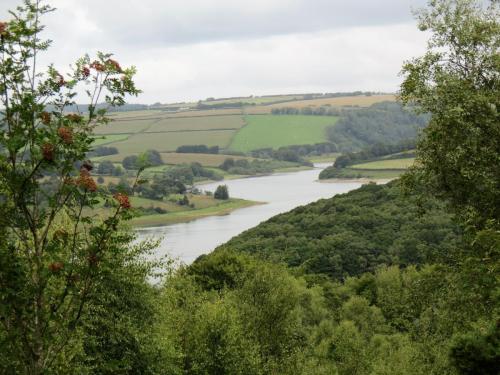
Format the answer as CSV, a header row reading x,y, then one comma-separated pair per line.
x,y
345,101
165,128
276,131
101,140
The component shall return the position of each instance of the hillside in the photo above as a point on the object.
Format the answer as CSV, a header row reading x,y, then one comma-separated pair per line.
x,y
381,123
353,233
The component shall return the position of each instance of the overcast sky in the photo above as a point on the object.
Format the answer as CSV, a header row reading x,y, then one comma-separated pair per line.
x,y
192,49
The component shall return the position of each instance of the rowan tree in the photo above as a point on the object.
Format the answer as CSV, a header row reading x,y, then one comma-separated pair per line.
x,y
53,246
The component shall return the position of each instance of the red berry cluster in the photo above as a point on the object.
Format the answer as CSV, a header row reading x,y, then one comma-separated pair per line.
x,y
45,117
48,151
74,117
85,72
98,66
66,134
123,200
115,65
86,181
56,267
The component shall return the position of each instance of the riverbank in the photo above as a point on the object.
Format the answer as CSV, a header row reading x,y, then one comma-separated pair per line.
x,y
224,207
362,180
229,177
282,192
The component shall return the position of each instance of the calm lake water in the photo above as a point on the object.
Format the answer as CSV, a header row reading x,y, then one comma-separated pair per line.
x,y
281,192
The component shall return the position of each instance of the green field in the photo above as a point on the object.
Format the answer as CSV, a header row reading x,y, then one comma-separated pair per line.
x,y
166,142
386,164
197,123
272,131
125,126
100,140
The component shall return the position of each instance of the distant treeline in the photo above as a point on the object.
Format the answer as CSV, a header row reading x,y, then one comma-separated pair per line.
x,y
308,111
384,123
256,166
83,108
216,105
197,149
103,151
295,153
374,152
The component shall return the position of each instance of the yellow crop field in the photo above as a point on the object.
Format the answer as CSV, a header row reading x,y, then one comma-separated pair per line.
x,y
361,101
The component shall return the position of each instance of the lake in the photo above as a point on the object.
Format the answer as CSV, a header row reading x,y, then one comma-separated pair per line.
x,y
281,192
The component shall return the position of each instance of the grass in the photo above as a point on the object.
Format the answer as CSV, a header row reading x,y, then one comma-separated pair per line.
x,y
125,126
107,139
343,101
375,174
218,208
327,158
166,142
197,123
275,131
386,164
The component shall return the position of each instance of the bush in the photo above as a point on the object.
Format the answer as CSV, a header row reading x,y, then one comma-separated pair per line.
x,y
221,192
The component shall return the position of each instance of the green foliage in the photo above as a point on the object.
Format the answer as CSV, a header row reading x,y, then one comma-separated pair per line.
x,y
295,153
475,352
221,192
256,166
255,320
354,233
198,149
54,251
457,80
118,330
382,123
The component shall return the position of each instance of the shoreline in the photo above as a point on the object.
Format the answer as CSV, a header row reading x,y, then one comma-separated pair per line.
x,y
243,176
365,180
225,208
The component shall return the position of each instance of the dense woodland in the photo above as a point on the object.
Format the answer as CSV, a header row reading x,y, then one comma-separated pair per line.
x,y
382,123
354,233
396,279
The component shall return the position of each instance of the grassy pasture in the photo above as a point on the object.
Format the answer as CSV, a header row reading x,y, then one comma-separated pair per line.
x,y
166,142
386,164
197,123
275,131
100,140
125,126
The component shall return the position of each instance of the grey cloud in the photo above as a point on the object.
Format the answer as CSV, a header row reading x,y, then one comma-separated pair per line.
x,y
159,22
192,49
